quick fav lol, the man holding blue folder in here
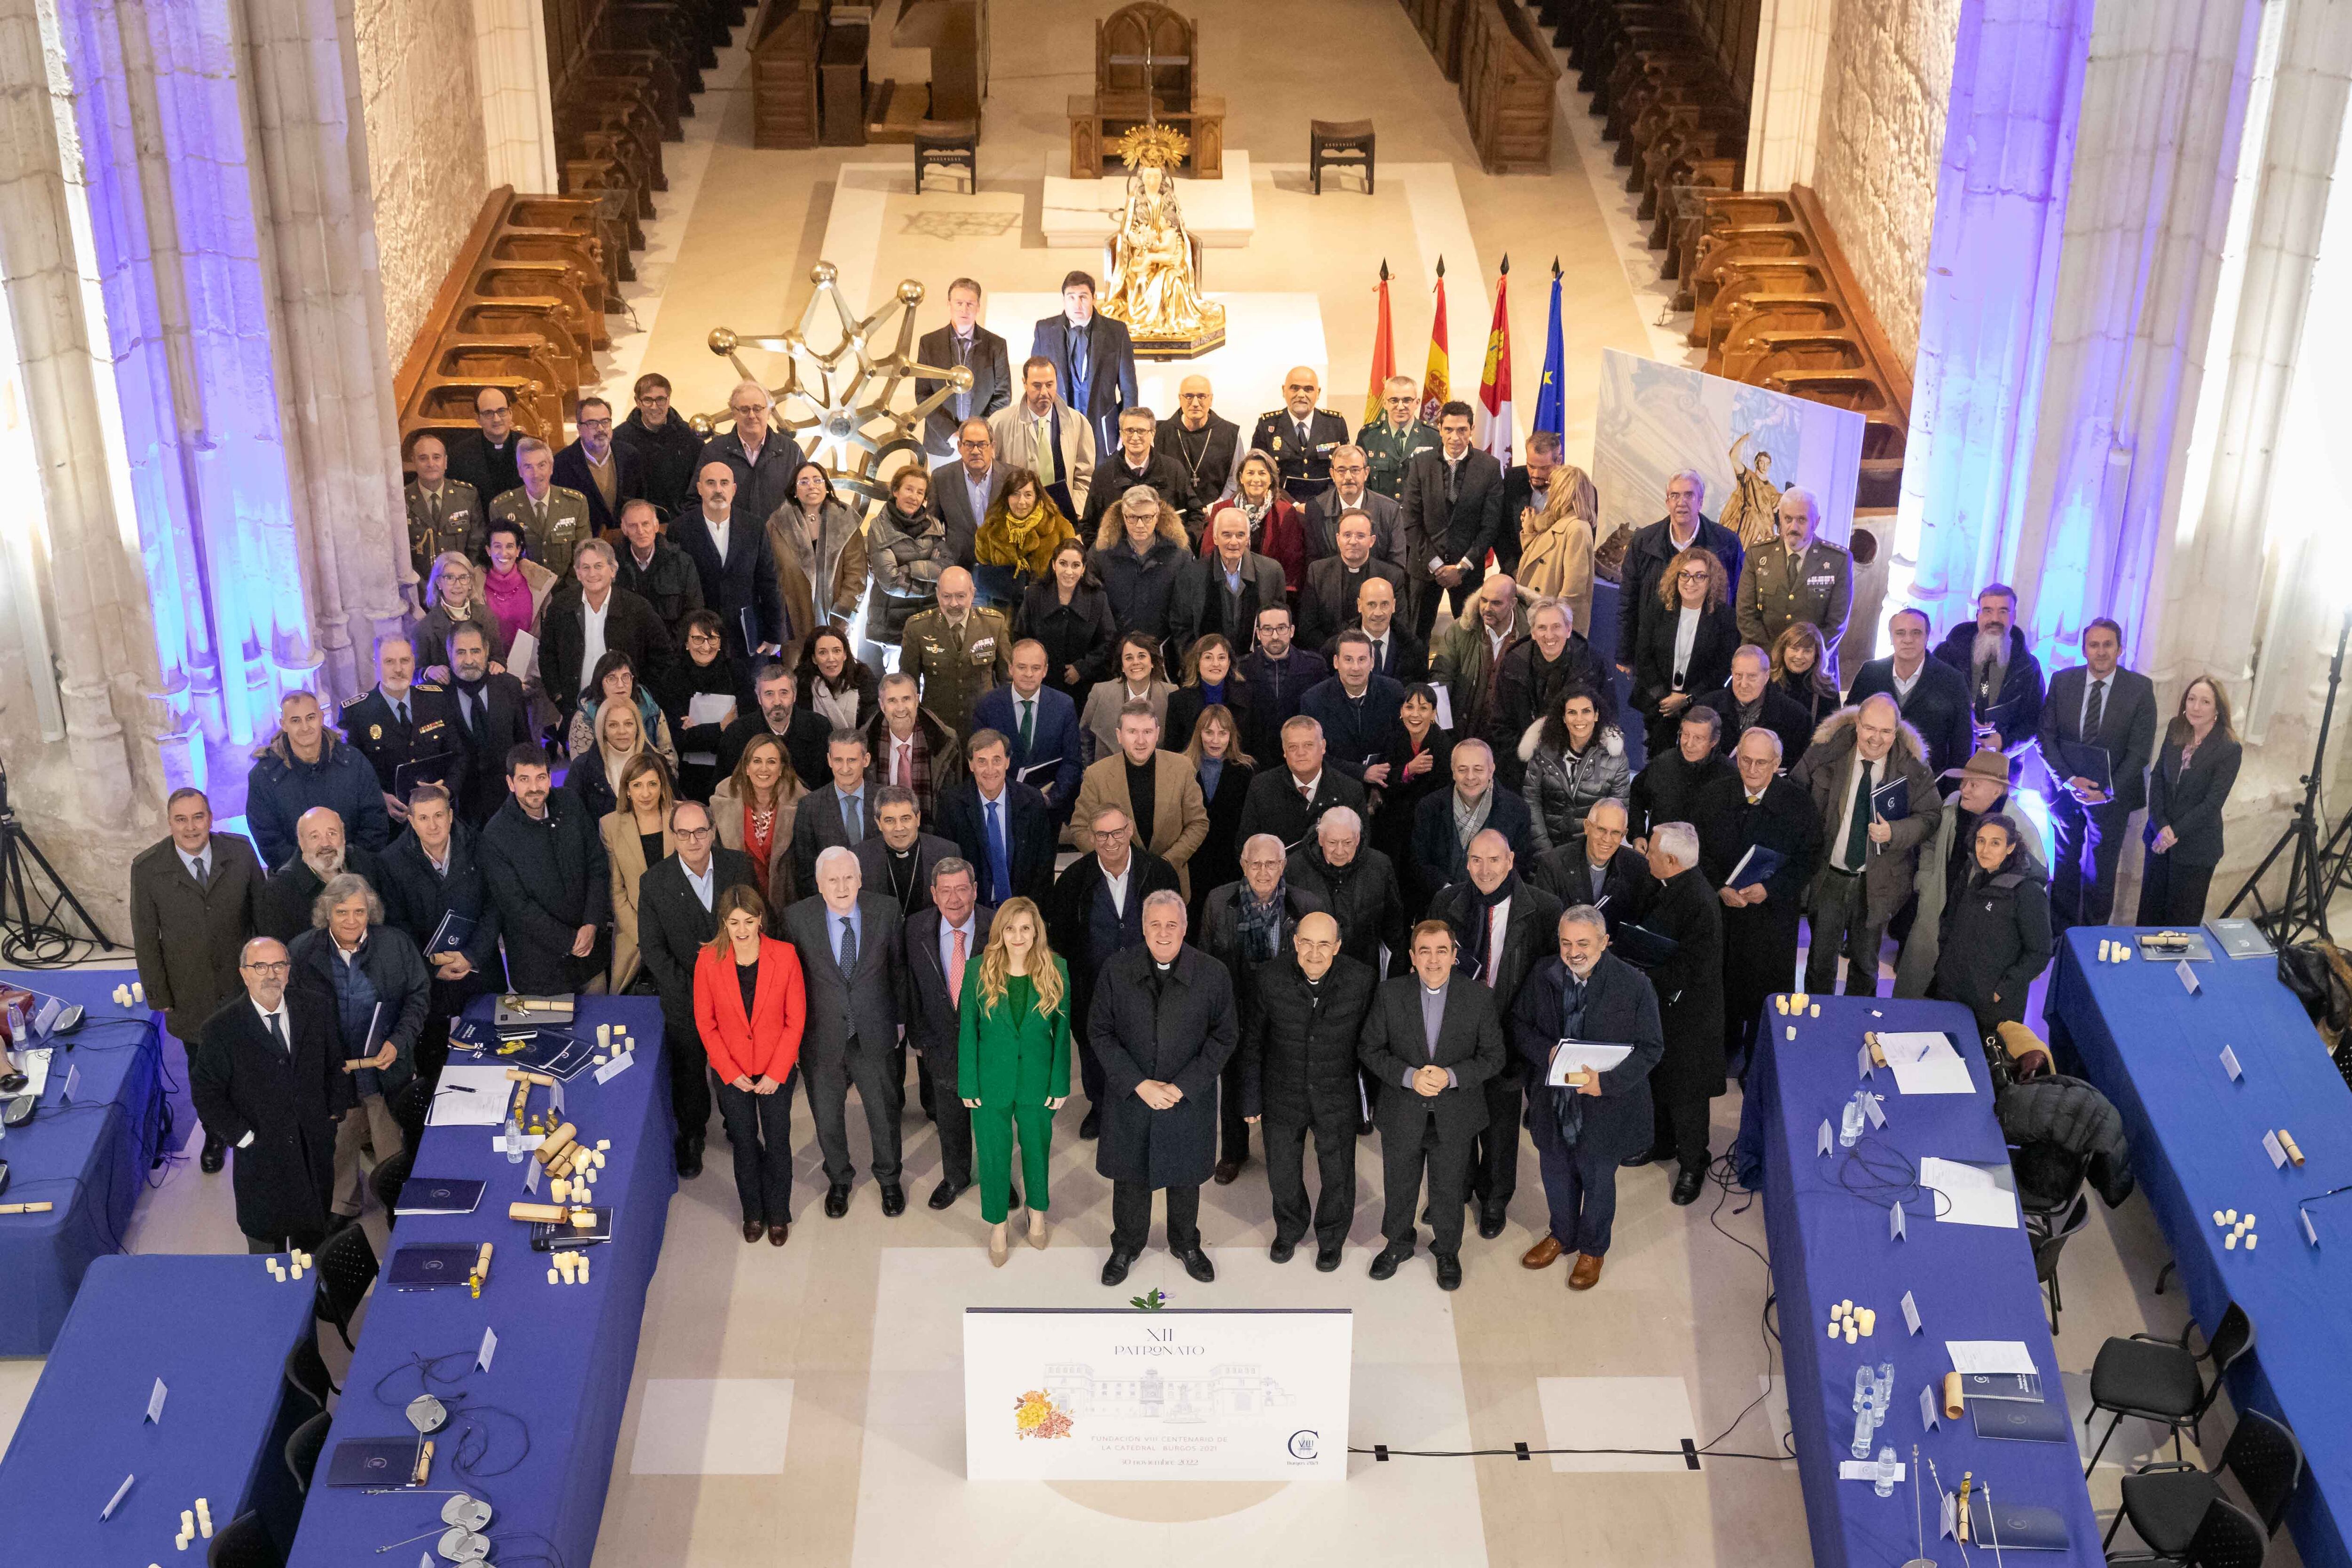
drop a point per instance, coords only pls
(1866, 772)
(2098, 733)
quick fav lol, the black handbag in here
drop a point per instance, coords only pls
(2315, 974)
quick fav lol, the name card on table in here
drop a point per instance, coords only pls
(1930, 1415)
(1822, 1144)
(1876, 1108)
(1910, 1312)
(116, 1500)
(1894, 1231)
(73, 1087)
(1862, 1064)
(2275, 1150)
(555, 1096)
(489, 1348)
(615, 1068)
(155, 1402)
(2187, 977)
(2309, 1234)
(2229, 1065)
(530, 1177)
(515, 1144)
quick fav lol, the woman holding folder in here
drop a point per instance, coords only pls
(749, 1004)
(1012, 1062)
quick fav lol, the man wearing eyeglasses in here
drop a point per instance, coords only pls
(268, 1079)
(761, 456)
(674, 921)
(599, 469)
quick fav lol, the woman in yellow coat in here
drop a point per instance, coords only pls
(1012, 1062)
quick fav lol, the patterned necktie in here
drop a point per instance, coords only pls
(902, 764)
(955, 969)
(2095, 711)
(848, 946)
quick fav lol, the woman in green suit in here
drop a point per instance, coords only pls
(1012, 1062)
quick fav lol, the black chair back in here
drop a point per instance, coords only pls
(2228, 1538)
(346, 1266)
(243, 1543)
(302, 1448)
(306, 1370)
(410, 1107)
(2268, 1462)
(2233, 1340)
(389, 1177)
(2046, 1249)
(2048, 1178)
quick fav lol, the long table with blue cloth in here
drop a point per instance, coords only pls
(534, 1435)
(1830, 1230)
(216, 1330)
(86, 1156)
(2135, 1031)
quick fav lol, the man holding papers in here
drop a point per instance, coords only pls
(435, 893)
(1866, 772)
(1689, 979)
(1043, 725)
(1586, 1026)
(2098, 733)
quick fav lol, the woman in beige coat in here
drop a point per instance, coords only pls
(637, 835)
(1556, 546)
(752, 810)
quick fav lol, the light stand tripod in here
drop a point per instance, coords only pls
(33, 939)
(2313, 869)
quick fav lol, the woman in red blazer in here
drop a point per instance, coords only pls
(747, 1007)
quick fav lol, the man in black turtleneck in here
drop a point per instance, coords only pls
(493, 719)
(897, 863)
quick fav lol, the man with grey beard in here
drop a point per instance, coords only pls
(2005, 686)
(320, 856)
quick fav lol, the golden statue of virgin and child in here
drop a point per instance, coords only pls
(1152, 276)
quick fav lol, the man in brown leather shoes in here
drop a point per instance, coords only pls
(1582, 1129)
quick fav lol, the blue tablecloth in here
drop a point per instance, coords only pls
(87, 1158)
(561, 1373)
(2197, 1146)
(215, 1329)
(1827, 1221)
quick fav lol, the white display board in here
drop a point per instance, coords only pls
(1113, 1394)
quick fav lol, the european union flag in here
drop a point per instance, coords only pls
(1549, 415)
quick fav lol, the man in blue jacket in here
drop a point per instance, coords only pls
(307, 764)
(1043, 725)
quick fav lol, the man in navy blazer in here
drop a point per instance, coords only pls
(577, 467)
(1016, 860)
(739, 583)
(1052, 732)
(933, 1012)
(1094, 359)
(1440, 854)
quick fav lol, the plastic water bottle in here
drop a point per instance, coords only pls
(513, 1143)
(1850, 1124)
(1886, 1468)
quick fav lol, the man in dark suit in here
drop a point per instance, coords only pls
(2003, 677)
(1206, 443)
(897, 861)
(2100, 718)
(854, 963)
(1300, 438)
(624, 624)
(430, 873)
(1653, 546)
(674, 899)
(486, 457)
(839, 812)
(1288, 801)
(544, 861)
(661, 443)
(1231, 587)
(1003, 829)
(1932, 694)
(1754, 698)
(804, 733)
(604, 472)
(1444, 822)
(1132, 461)
(1041, 724)
(1689, 983)
(1299, 1076)
(1757, 809)
(949, 931)
(761, 459)
(1163, 1023)
(1335, 583)
(281, 906)
(1503, 927)
(1431, 1042)
(654, 570)
(195, 898)
(1245, 924)
(1870, 843)
(267, 1076)
(964, 343)
(1623, 888)
(1280, 671)
(1396, 652)
(1094, 359)
(492, 717)
(729, 546)
(963, 490)
(1583, 1131)
(1358, 709)
(1667, 788)
(1352, 491)
(1527, 486)
(1357, 883)
(1095, 913)
(1453, 507)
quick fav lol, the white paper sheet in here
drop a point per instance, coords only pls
(470, 1097)
(1990, 1355)
(1926, 1063)
(1916, 1045)
(1969, 1194)
(522, 655)
(1569, 1055)
(710, 708)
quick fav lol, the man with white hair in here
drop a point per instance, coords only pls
(1163, 1023)
(268, 1079)
(1752, 698)
(1689, 983)
(853, 965)
(1796, 577)
(553, 517)
(1094, 914)
(1870, 838)
(1648, 554)
(1745, 822)
(760, 457)
(281, 906)
(1358, 884)
(1245, 925)
(589, 616)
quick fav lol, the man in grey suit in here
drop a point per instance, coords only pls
(1351, 490)
(963, 342)
(853, 963)
(963, 490)
(1453, 511)
(941, 940)
(2099, 718)
(841, 812)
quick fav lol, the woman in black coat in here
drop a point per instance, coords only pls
(1690, 589)
(1996, 935)
(1421, 763)
(704, 671)
(2186, 791)
(1210, 680)
(1215, 750)
(1072, 617)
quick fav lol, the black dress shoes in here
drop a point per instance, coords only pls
(1227, 1171)
(1282, 1251)
(1115, 1267)
(1385, 1266)
(214, 1155)
(1647, 1157)
(689, 1158)
(836, 1200)
(1326, 1259)
(1196, 1263)
(1490, 1222)
(1091, 1125)
(944, 1196)
(894, 1200)
(1449, 1271)
(1686, 1187)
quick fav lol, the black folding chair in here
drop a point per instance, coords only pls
(346, 1266)
(243, 1543)
(2157, 1379)
(302, 1448)
(306, 1371)
(2046, 1249)
(2167, 1502)
(388, 1178)
(2227, 1537)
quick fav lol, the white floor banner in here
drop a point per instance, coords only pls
(1094, 1393)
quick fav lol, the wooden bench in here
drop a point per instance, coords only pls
(783, 76)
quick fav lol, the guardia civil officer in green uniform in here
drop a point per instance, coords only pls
(1393, 440)
(554, 519)
(1301, 437)
(444, 514)
(1796, 577)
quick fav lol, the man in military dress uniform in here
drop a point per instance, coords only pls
(553, 520)
(403, 721)
(1796, 577)
(1394, 441)
(957, 652)
(1301, 437)
(443, 513)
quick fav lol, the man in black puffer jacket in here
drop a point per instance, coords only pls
(1299, 1073)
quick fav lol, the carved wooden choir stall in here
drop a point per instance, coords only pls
(1504, 63)
(1145, 59)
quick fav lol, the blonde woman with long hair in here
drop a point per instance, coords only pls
(1012, 1062)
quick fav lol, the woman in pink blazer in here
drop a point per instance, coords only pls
(747, 1007)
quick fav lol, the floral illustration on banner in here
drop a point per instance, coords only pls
(1034, 1415)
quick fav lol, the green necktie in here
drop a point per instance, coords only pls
(1042, 458)
(1028, 724)
(1857, 838)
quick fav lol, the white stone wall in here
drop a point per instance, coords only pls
(1881, 140)
(423, 111)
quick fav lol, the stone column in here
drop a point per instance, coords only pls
(1784, 104)
(518, 115)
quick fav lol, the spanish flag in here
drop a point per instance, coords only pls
(1434, 382)
(1383, 354)
(1495, 379)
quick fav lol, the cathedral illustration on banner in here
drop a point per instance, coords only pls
(1232, 1388)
